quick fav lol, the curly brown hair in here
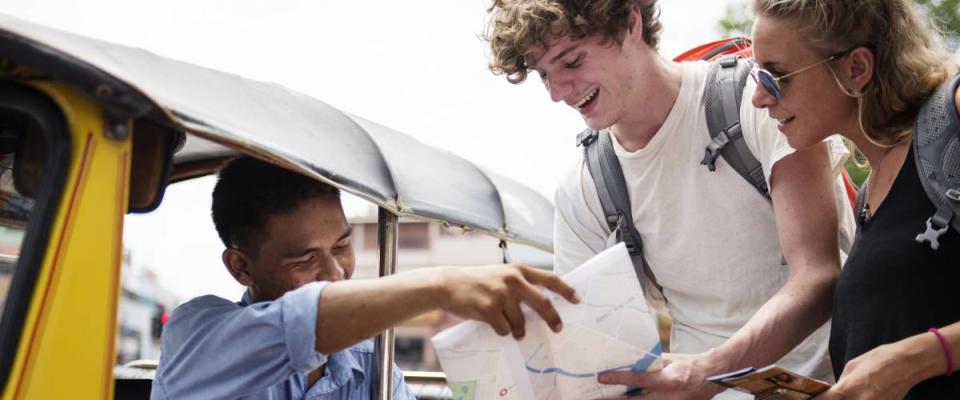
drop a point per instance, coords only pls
(519, 28)
(909, 62)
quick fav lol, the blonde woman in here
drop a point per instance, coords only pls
(863, 68)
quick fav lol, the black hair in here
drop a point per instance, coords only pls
(248, 191)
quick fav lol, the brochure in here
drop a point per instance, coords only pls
(772, 383)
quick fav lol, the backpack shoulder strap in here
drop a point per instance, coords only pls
(936, 148)
(725, 83)
(604, 167)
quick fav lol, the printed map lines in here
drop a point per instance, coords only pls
(640, 366)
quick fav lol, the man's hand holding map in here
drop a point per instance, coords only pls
(611, 329)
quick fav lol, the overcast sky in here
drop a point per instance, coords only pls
(418, 67)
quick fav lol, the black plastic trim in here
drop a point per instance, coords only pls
(48, 115)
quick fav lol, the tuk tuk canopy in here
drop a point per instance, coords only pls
(224, 114)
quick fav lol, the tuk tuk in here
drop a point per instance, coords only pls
(91, 131)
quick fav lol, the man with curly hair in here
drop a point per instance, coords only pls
(301, 329)
(714, 245)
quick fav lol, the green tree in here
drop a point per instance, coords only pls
(945, 14)
(737, 20)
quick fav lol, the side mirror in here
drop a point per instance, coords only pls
(153, 148)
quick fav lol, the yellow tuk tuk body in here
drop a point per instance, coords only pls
(70, 324)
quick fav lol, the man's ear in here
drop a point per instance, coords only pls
(238, 265)
(636, 25)
(859, 69)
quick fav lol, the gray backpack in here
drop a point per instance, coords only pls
(726, 80)
(936, 148)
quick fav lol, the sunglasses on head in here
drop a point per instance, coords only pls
(771, 83)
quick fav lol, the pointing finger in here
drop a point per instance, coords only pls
(551, 281)
(629, 378)
(513, 314)
(499, 324)
(542, 305)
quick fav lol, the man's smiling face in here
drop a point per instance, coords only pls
(312, 242)
(602, 79)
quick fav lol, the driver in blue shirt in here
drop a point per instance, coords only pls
(302, 327)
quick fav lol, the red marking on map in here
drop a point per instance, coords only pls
(503, 392)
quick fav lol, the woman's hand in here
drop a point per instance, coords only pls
(891, 370)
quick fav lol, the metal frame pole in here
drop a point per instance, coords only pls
(387, 228)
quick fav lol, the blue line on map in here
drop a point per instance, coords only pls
(639, 366)
(648, 359)
(559, 371)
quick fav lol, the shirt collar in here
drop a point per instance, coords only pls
(247, 298)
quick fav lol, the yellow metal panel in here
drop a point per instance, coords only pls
(67, 348)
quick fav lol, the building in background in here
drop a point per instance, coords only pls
(144, 308)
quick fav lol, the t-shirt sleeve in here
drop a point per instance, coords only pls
(213, 348)
(578, 233)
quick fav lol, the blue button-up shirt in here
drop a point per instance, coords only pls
(213, 348)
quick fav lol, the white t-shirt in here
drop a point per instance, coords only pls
(709, 237)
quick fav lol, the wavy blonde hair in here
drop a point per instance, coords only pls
(909, 62)
(518, 28)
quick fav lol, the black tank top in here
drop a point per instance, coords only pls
(892, 287)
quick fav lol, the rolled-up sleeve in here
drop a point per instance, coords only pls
(214, 348)
(299, 318)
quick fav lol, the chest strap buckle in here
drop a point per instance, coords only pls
(933, 233)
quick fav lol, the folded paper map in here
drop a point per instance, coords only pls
(612, 329)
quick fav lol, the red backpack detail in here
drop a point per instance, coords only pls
(738, 45)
